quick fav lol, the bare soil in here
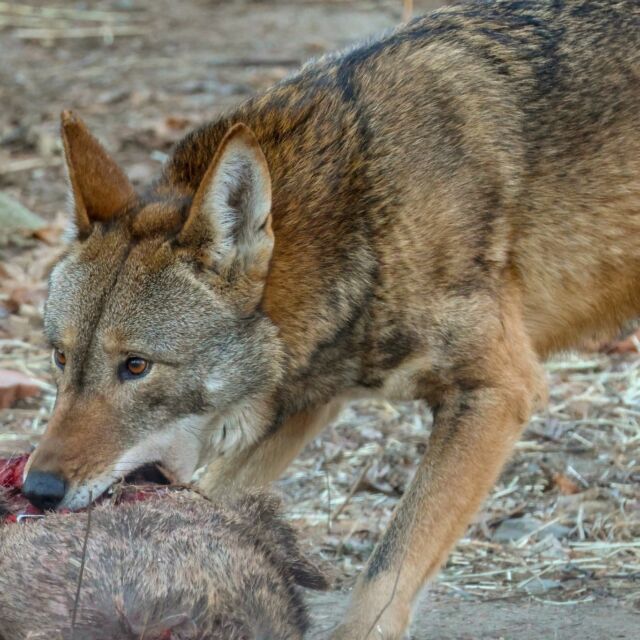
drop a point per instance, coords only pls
(555, 553)
(444, 618)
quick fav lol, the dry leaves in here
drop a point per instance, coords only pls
(565, 485)
(15, 386)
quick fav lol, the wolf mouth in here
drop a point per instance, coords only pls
(150, 473)
(147, 480)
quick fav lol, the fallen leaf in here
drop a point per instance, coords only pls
(15, 386)
(177, 122)
(14, 215)
(49, 235)
(26, 295)
(565, 485)
(630, 344)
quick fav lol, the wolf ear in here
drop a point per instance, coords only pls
(231, 212)
(99, 188)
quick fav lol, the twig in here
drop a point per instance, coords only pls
(407, 10)
(328, 481)
(28, 164)
(16, 22)
(405, 553)
(63, 12)
(354, 488)
(82, 565)
(108, 32)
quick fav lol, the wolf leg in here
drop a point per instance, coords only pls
(266, 460)
(480, 410)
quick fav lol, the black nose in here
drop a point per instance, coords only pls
(44, 490)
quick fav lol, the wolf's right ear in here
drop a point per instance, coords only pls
(230, 216)
(99, 188)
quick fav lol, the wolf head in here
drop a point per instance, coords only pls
(159, 345)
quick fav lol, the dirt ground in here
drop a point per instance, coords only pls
(554, 554)
(444, 618)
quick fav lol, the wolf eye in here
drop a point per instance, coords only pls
(59, 358)
(134, 367)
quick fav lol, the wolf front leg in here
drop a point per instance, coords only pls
(477, 421)
(266, 460)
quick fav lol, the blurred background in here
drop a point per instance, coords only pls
(141, 72)
(562, 527)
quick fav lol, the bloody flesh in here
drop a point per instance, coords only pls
(12, 471)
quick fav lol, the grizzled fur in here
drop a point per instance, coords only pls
(4, 503)
(174, 568)
(449, 205)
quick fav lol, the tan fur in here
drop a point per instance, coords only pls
(450, 205)
(75, 420)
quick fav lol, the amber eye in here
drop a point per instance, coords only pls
(134, 367)
(59, 358)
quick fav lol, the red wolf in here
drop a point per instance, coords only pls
(427, 216)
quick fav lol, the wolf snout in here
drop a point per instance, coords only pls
(44, 489)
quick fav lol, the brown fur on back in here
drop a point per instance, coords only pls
(530, 167)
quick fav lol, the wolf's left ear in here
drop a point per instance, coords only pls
(230, 216)
(100, 189)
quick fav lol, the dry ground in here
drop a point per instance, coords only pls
(555, 553)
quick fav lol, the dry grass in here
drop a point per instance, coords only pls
(563, 523)
(51, 23)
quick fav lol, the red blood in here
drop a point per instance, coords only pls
(139, 495)
(11, 472)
